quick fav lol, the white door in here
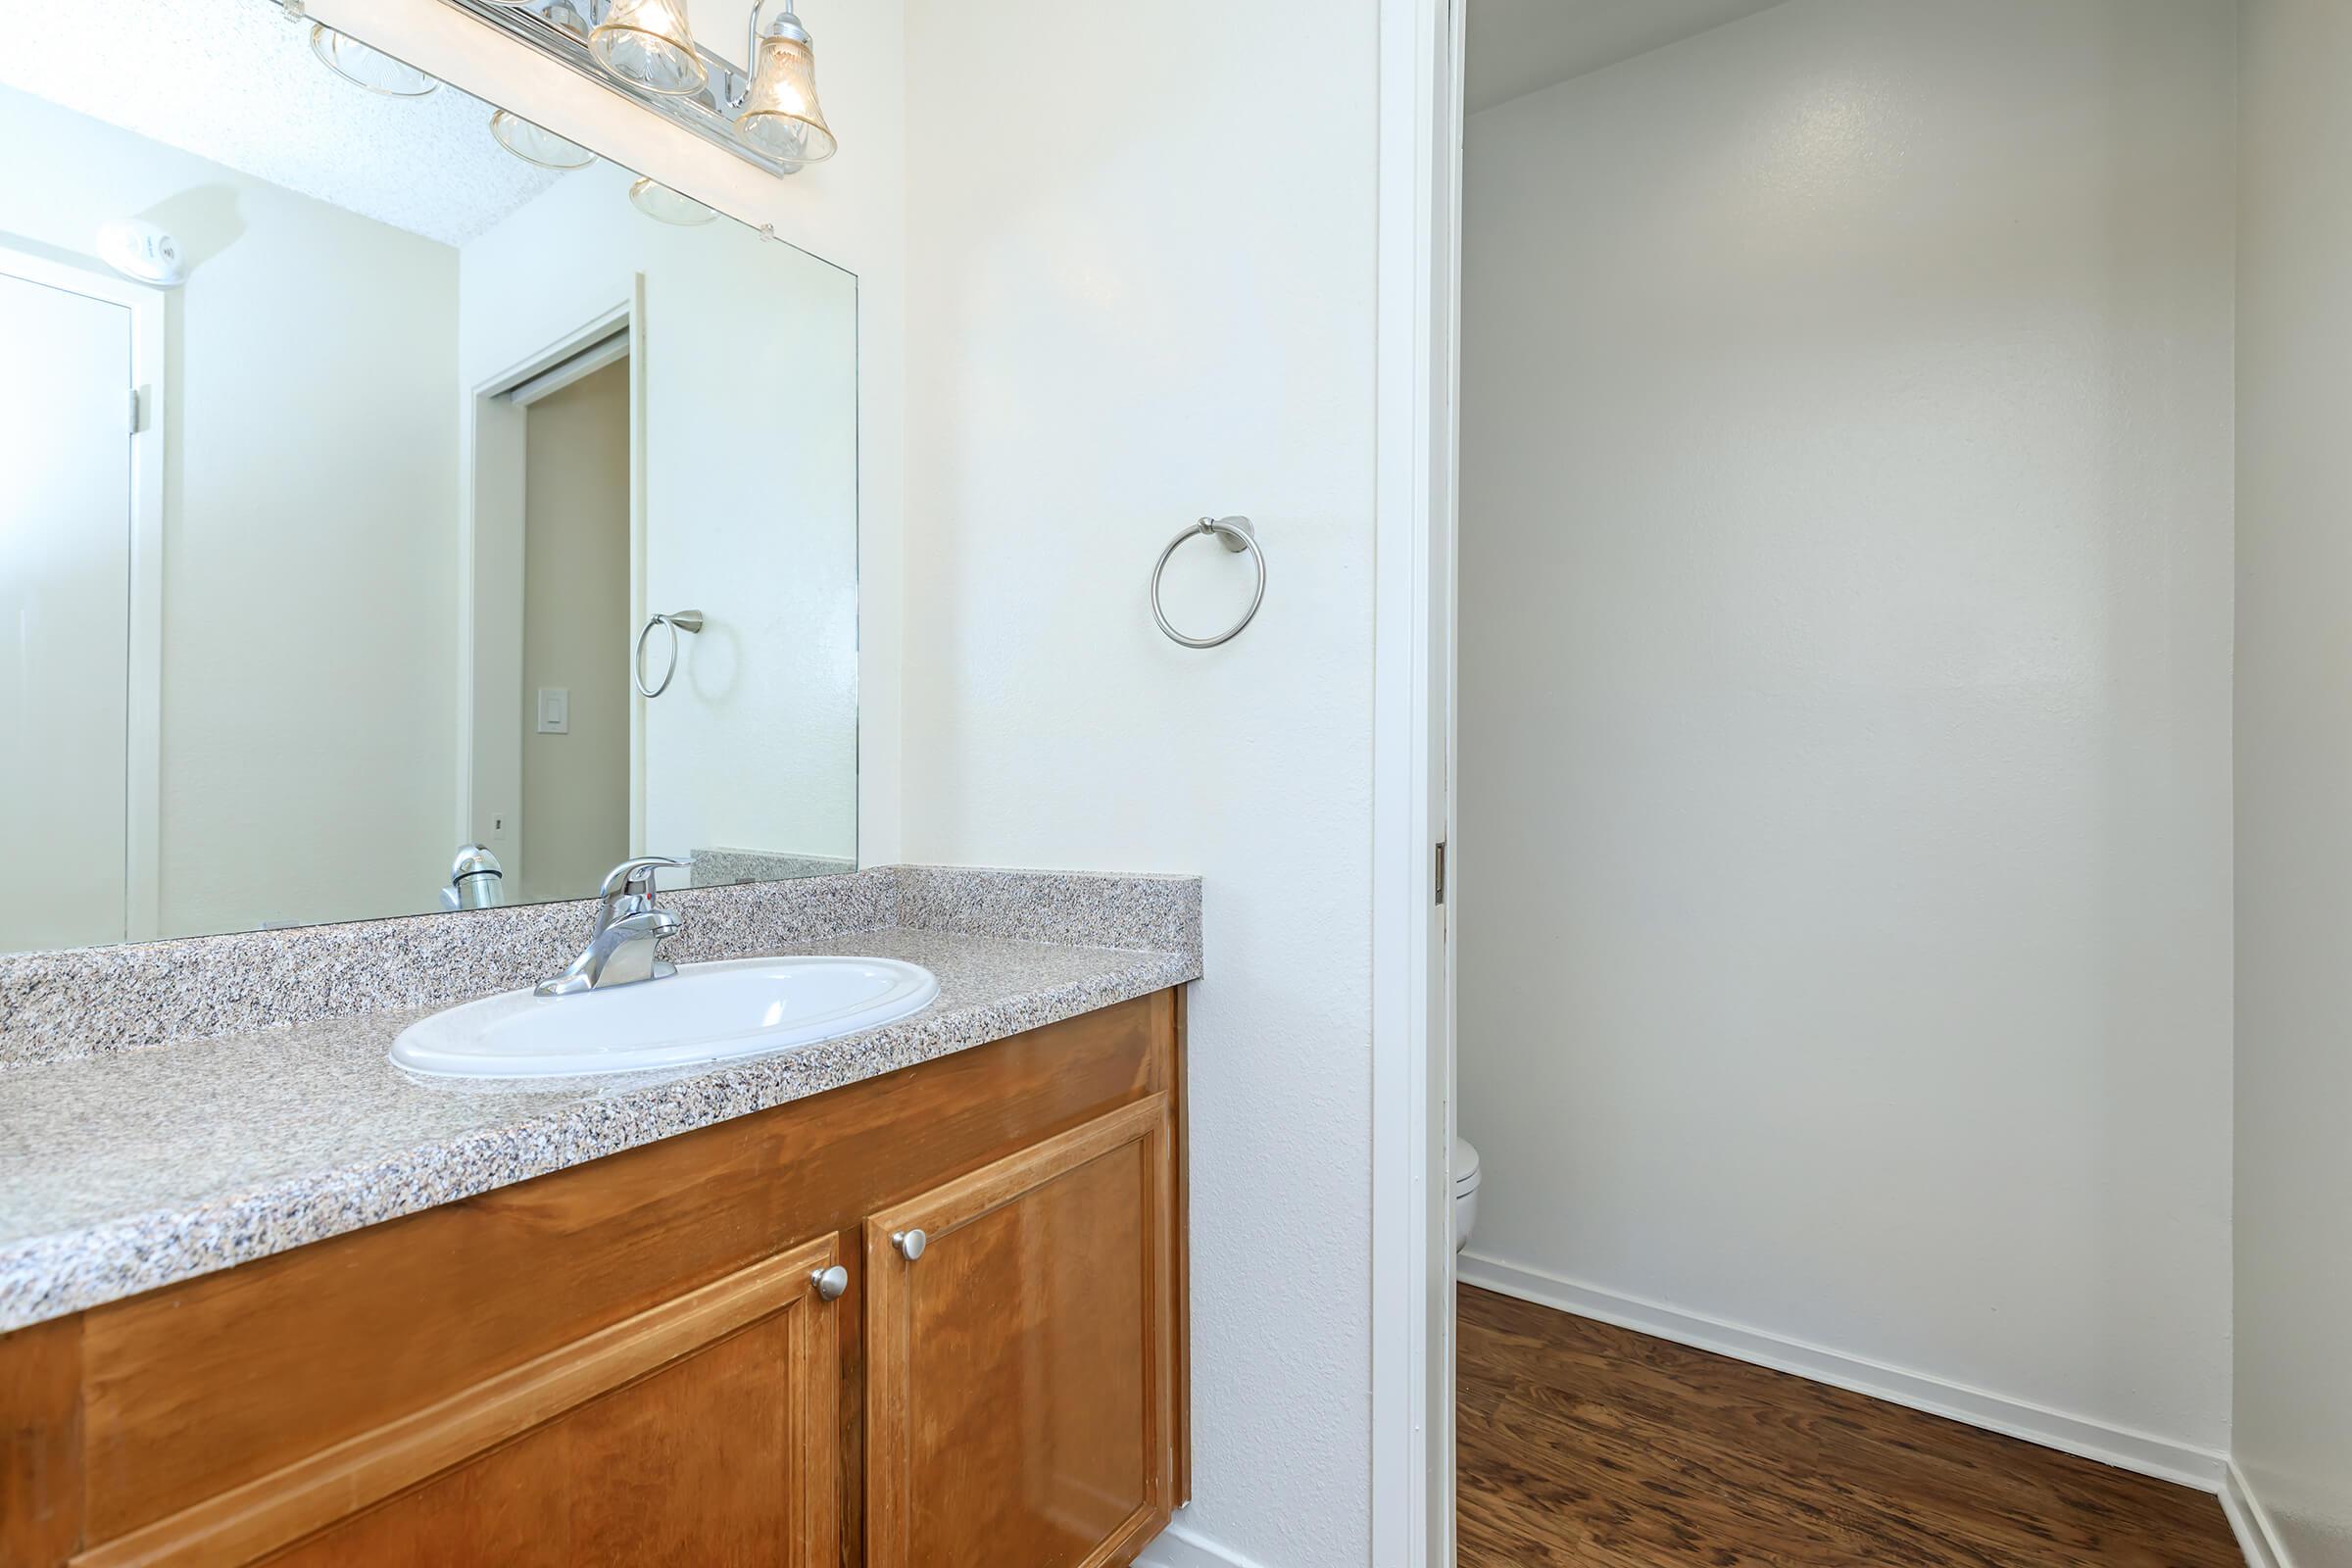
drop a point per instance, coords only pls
(65, 610)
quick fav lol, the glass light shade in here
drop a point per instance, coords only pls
(657, 200)
(367, 68)
(781, 116)
(533, 145)
(648, 44)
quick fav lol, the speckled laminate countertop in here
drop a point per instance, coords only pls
(123, 1173)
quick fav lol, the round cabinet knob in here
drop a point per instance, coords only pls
(910, 1243)
(831, 1282)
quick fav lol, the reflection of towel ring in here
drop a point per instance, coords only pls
(677, 620)
(1236, 535)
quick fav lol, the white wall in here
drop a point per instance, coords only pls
(2293, 1429)
(1845, 784)
(1140, 287)
(748, 362)
(309, 501)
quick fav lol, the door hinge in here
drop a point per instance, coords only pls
(134, 411)
(1440, 871)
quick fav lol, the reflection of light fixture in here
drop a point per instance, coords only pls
(780, 114)
(534, 145)
(648, 44)
(657, 200)
(367, 68)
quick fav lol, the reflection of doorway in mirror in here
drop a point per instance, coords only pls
(65, 555)
(575, 701)
(500, 708)
(80, 529)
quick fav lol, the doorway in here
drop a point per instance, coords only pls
(1822, 635)
(553, 558)
(574, 696)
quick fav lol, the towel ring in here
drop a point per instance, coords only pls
(1236, 535)
(677, 620)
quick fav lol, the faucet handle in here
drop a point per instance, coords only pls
(658, 924)
(635, 878)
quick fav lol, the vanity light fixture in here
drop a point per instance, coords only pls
(648, 44)
(763, 111)
(778, 111)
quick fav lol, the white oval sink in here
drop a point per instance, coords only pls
(704, 1013)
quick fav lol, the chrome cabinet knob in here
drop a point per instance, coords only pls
(831, 1282)
(910, 1243)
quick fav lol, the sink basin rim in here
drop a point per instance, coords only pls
(629, 1029)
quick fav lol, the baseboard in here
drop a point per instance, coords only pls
(2256, 1536)
(2126, 1449)
(1180, 1548)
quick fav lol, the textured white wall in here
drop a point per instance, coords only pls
(1141, 290)
(1845, 816)
(309, 517)
(2293, 1428)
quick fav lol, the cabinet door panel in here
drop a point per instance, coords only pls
(705, 1429)
(692, 1464)
(1019, 1371)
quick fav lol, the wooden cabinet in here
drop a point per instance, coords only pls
(632, 1361)
(1019, 1357)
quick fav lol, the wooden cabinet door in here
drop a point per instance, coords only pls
(704, 1430)
(1020, 1364)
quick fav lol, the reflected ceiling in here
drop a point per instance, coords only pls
(235, 82)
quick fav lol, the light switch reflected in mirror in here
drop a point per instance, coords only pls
(435, 420)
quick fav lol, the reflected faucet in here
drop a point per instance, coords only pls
(475, 880)
(626, 931)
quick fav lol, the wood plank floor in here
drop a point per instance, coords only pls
(1587, 1444)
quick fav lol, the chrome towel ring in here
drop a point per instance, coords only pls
(677, 620)
(1236, 535)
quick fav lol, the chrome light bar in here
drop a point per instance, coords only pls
(558, 30)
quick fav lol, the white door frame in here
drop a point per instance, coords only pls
(490, 530)
(1412, 1001)
(143, 722)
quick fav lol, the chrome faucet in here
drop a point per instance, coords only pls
(627, 929)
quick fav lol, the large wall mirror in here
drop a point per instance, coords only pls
(366, 464)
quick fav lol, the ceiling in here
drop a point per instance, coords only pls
(235, 82)
(1518, 47)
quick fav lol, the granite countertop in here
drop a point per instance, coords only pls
(123, 1173)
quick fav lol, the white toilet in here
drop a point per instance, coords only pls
(1465, 1193)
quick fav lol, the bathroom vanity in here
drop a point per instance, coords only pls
(916, 1297)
